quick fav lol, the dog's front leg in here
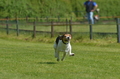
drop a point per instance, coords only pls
(71, 54)
(63, 56)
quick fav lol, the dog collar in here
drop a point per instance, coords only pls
(64, 42)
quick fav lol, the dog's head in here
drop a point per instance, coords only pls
(66, 38)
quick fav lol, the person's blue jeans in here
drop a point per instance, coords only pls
(90, 17)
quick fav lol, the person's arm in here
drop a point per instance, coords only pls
(95, 7)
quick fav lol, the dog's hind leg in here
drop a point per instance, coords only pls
(63, 56)
(57, 56)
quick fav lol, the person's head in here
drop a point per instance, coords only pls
(89, 0)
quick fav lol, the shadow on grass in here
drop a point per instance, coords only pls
(47, 62)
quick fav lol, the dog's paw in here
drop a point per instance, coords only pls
(72, 54)
(57, 59)
(62, 59)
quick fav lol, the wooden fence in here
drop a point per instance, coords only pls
(52, 24)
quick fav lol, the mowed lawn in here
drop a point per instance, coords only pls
(28, 60)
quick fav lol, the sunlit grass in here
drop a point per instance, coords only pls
(35, 60)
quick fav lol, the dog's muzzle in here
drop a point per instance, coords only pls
(67, 39)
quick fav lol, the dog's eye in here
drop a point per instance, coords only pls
(64, 36)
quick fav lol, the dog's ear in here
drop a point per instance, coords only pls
(70, 35)
(60, 37)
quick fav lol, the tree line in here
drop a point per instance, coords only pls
(54, 8)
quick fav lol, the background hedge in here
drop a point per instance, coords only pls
(54, 8)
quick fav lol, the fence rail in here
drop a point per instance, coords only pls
(68, 23)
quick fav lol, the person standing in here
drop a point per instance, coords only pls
(90, 8)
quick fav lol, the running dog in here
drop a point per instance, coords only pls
(62, 44)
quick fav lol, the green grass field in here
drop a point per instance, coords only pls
(35, 60)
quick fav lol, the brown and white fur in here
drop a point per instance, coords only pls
(62, 44)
